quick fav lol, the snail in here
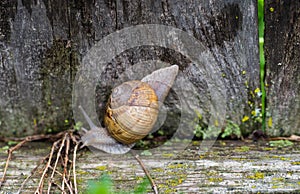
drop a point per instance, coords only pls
(131, 112)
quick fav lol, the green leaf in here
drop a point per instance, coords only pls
(142, 187)
(104, 185)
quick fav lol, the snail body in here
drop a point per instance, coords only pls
(131, 112)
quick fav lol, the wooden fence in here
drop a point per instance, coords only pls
(43, 42)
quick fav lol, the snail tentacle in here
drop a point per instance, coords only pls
(87, 118)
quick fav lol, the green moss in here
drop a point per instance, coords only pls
(58, 73)
(281, 143)
(242, 149)
(81, 172)
(146, 153)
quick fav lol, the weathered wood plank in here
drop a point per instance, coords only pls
(227, 167)
(42, 43)
(282, 44)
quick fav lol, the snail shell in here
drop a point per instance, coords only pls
(131, 111)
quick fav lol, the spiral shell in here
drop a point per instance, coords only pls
(131, 111)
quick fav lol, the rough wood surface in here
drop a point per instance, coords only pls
(227, 167)
(43, 42)
(282, 44)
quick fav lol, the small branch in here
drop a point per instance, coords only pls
(56, 161)
(35, 137)
(40, 186)
(291, 138)
(68, 185)
(20, 144)
(154, 186)
(74, 168)
(10, 151)
(66, 159)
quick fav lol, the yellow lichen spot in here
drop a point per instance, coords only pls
(245, 118)
(161, 186)
(257, 90)
(267, 149)
(277, 179)
(295, 163)
(195, 143)
(244, 72)
(223, 143)
(257, 175)
(216, 123)
(270, 122)
(101, 167)
(168, 155)
(139, 178)
(199, 115)
(271, 9)
(266, 84)
(236, 17)
(252, 94)
(174, 166)
(284, 159)
(158, 170)
(247, 84)
(81, 172)
(215, 179)
(242, 149)
(223, 75)
(34, 122)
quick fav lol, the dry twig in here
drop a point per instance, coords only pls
(154, 186)
(61, 153)
(40, 186)
(74, 168)
(65, 163)
(291, 138)
(56, 161)
(19, 145)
